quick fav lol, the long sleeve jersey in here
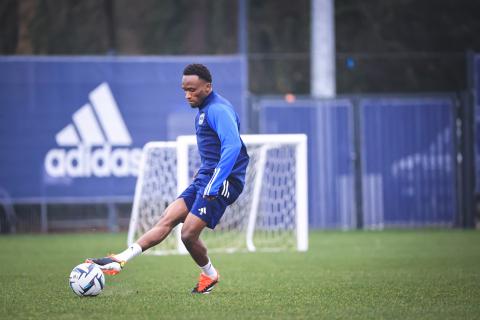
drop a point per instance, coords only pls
(223, 154)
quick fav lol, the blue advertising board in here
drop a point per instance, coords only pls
(73, 127)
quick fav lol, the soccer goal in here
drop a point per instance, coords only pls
(271, 214)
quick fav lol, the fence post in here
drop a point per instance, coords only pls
(112, 217)
(44, 217)
(466, 151)
(357, 162)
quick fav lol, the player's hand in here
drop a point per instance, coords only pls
(210, 198)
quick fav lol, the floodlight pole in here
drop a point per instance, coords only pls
(322, 70)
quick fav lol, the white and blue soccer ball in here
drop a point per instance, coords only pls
(87, 279)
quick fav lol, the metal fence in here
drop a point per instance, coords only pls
(378, 161)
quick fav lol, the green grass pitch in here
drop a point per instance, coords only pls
(418, 274)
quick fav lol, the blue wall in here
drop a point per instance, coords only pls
(407, 148)
(330, 167)
(408, 161)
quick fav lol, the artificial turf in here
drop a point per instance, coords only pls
(419, 274)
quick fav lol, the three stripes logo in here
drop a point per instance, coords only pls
(202, 211)
(225, 191)
(87, 143)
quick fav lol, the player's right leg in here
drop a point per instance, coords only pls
(174, 214)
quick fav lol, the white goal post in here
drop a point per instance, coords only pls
(271, 214)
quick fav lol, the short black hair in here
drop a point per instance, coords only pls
(197, 69)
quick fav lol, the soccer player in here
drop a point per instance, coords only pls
(217, 184)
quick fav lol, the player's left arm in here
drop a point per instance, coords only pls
(223, 121)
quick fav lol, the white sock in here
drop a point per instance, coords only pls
(209, 270)
(130, 253)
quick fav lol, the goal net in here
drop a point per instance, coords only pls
(271, 213)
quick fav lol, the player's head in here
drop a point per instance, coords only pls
(196, 83)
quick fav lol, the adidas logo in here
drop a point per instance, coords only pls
(203, 210)
(87, 143)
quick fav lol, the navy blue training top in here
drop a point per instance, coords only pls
(223, 154)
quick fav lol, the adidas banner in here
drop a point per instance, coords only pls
(73, 128)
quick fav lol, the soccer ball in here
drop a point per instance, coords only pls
(87, 279)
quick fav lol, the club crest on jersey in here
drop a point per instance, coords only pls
(201, 118)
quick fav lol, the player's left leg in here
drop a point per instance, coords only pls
(191, 230)
(192, 227)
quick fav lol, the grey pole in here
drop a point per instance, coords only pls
(323, 49)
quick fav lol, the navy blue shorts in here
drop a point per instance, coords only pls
(210, 211)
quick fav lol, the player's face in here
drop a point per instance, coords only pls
(196, 89)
